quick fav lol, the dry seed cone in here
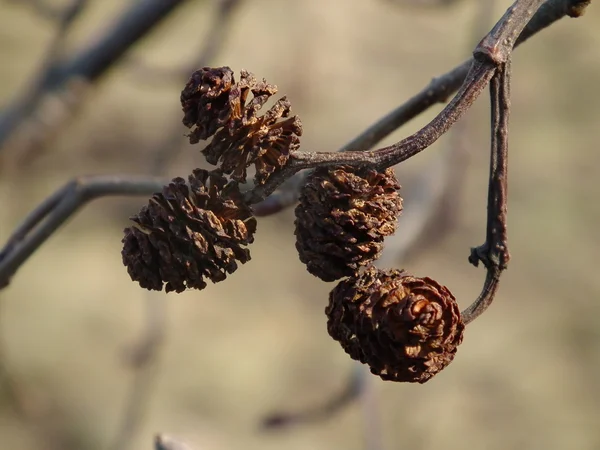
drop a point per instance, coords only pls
(188, 233)
(215, 104)
(342, 218)
(405, 328)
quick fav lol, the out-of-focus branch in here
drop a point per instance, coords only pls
(89, 64)
(437, 91)
(351, 390)
(60, 206)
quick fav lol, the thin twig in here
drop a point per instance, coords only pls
(437, 91)
(494, 252)
(61, 205)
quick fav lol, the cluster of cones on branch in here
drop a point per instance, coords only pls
(405, 328)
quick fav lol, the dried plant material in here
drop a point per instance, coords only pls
(215, 105)
(342, 218)
(189, 232)
(205, 102)
(405, 328)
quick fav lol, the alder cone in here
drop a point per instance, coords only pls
(214, 104)
(205, 102)
(188, 233)
(343, 216)
(405, 328)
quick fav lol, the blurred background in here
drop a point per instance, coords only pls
(91, 361)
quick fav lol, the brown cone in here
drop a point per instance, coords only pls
(342, 218)
(205, 102)
(213, 103)
(405, 328)
(189, 232)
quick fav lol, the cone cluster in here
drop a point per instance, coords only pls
(403, 327)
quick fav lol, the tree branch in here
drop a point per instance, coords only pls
(437, 91)
(61, 205)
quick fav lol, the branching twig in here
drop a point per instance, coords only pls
(437, 91)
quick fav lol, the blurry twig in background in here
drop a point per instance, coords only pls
(437, 91)
(43, 221)
(352, 389)
(33, 93)
(36, 105)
